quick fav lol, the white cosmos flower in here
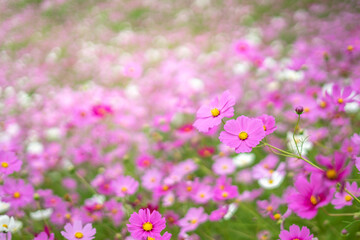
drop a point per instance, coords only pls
(41, 214)
(244, 159)
(16, 226)
(4, 206)
(6, 223)
(273, 181)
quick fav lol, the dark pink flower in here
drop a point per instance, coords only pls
(209, 116)
(295, 233)
(146, 224)
(243, 133)
(309, 196)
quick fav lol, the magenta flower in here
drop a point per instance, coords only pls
(44, 236)
(336, 169)
(193, 218)
(309, 196)
(9, 163)
(146, 224)
(77, 231)
(209, 116)
(341, 96)
(124, 185)
(295, 233)
(243, 133)
(17, 193)
(268, 123)
(343, 199)
(218, 214)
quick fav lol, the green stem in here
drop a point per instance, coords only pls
(85, 182)
(296, 126)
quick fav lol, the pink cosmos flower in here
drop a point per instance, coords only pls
(9, 163)
(224, 190)
(340, 96)
(269, 123)
(243, 133)
(309, 196)
(77, 231)
(296, 233)
(146, 224)
(144, 161)
(336, 168)
(124, 185)
(193, 218)
(102, 110)
(209, 116)
(114, 210)
(44, 236)
(17, 193)
(224, 166)
(343, 199)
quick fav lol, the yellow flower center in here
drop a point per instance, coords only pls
(225, 194)
(147, 226)
(224, 167)
(215, 112)
(165, 187)
(189, 188)
(243, 135)
(270, 181)
(306, 109)
(150, 238)
(269, 208)
(114, 211)
(277, 216)
(350, 48)
(264, 128)
(348, 198)
(350, 149)
(68, 216)
(4, 164)
(340, 100)
(322, 104)
(5, 225)
(16, 195)
(202, 195)
(331, 174)
(313, 200)
(124, 189)
(79, 235)
(193, 221)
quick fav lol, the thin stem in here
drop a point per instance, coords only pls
(338, 214)
(85, 183)
(296, 126)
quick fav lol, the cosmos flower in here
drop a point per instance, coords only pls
(343, 198)
(308, 197)
(146, 224)
(9, 163)
(209, 116)
(193, 218)
(243, 133)
(296, 233)
(77, 231)
(125, 185)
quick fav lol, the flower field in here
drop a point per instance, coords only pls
(189, 120)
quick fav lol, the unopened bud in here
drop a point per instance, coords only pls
(299, 110)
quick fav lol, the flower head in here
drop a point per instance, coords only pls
(295, 233)
(9, 163)
(78, 232)
(125, 185)
(309, 196)
(243, 133)
(209, 116)
(146, 224)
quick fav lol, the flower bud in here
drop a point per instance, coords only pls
(299, 110)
